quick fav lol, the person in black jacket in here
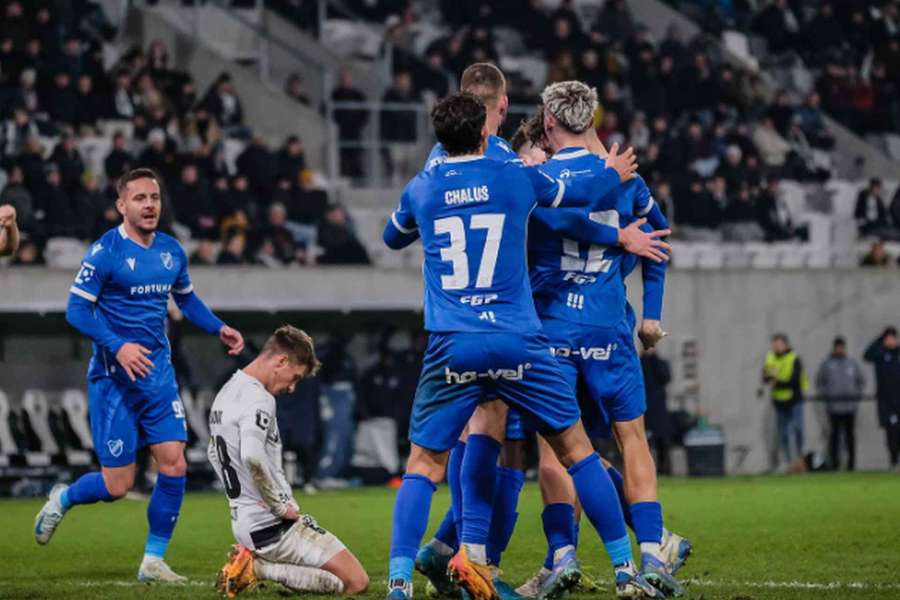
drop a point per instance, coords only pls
(884, 353)
(657, 375)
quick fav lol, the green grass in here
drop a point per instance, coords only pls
(751, 535)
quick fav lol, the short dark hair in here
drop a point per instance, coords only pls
(780, 336)
(296, 344)
(458, 121)
(839, 341)
(890, 331)
(134, 175)
(485, 80)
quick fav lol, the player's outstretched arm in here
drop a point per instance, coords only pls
(9, 230)
(576, 225)
(653, 275)
(198, 313)
(401, 229)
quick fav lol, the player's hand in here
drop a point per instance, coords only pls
(643, 243)
(232, 339)
(650, 333)
(625, 164)
(133, 358)
(7, 215)
(291, 513)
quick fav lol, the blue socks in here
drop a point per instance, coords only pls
(619, 482)
(559, 526)
(648, 522)
(446, 531)
(504, 516)
(411, 507)
(88, 489)
(479, 474)
(454, 481)
(600, 503)
(162, 513)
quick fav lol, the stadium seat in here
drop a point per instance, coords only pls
(64, 253)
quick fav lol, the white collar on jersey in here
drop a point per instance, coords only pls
(567, 153)
(463, 158)
(125, 236)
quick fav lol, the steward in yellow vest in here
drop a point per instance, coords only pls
(784, 373)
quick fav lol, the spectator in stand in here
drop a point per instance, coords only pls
(69, 161)
(17, 131)
(233, 249)
(742, 215)
(64, 217)
(291, 159)
(61, 101)
(775, 217)
(731, 168)
(310, 202)
(121, 102)
(193, 205)
(350, 122)
(9, 231)
(783, 373)
(778, 25)
(258, 164)
(884, 354)
(812, 122)
(277, 247)
(156, 156)
(772, 148)
(27, 95)
(399, 128)
(205, 254)
(338, 240)
(876, 256)
(697, 213)
(119, 160)
(895, 210)
(293, 87)
(223, 104)
(870, 214)
(101, 213)
(90, 108)
(840, 383)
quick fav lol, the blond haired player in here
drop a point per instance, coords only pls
(275, 541)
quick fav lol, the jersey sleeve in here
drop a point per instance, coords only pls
(182, 283)
(92, 274)
(435, 157)
(401, 229)
(646, 207)
(653, 276)
(548, 191)
(576, 225)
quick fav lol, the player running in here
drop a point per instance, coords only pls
(119, 300)
(487, 82)
(275, 541)
(579, 294)
(485, 339)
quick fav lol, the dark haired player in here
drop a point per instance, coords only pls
(119, 300)
(485, 338)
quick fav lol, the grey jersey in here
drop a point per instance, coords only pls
(242, 418)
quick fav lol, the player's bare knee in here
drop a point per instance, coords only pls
(118, 484)
(177, 467)
(489, 419)
(427, 463)
(357, 583)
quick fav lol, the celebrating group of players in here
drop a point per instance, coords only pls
(530, 334)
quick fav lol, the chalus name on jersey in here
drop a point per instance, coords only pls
(467, 195)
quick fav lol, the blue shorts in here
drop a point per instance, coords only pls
(460, 370)
(602, 365)
(127, 416)
(515, 427)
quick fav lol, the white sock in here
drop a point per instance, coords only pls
(299, 579)
(440, 547)
(477, 553)
(652, 548)
(560, 552)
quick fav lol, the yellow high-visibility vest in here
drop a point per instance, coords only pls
(782, 367)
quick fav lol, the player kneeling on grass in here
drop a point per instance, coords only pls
(275, 541)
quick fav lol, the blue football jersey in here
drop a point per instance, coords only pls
(497, 148)
(472, 214)
(579, 282)
(129, 286)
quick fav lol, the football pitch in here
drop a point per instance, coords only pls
(813, 536)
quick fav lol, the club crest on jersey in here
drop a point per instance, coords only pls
(115, 447)
(167, 259)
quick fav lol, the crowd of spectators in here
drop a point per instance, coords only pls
(56, 99)
(852, 48)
